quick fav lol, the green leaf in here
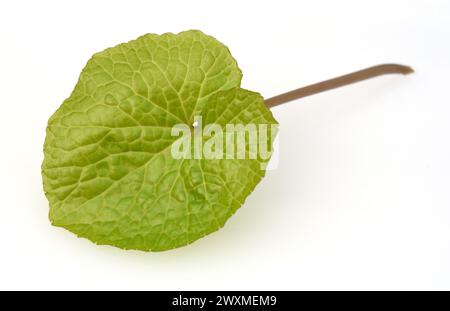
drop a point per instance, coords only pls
(108, 171)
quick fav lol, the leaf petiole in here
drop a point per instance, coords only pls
(347, 79)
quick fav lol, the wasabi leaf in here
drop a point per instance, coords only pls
(108, 171)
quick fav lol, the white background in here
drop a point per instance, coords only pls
(360, 199)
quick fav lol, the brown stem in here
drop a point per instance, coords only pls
(350, 78)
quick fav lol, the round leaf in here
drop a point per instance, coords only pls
(108, 171)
